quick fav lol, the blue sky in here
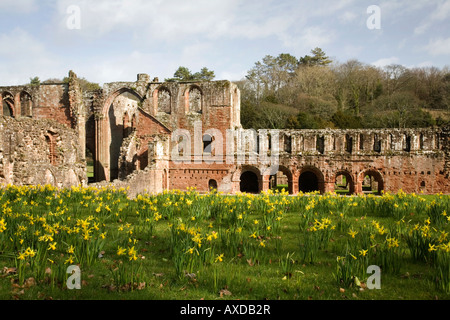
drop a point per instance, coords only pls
(117, 39)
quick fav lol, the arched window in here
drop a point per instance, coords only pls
(164, 101)
(8, 104)
(25, 104)
(50, 138)
(207, 144)
(195, 100)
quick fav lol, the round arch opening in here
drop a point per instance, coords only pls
(249, 183)
(372, 182)
(310, 181)
(282, 180)
(344, 183)
(212, 185)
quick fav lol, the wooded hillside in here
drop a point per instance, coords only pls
(315, 92)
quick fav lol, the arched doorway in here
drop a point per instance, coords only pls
(371, 182)
(311, 180)
(110, 132)
(8, 104)
(249, 182)
(25, 104)
(344, 183)
(282, 180)
(212, 185)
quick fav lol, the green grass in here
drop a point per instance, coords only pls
(248, 271)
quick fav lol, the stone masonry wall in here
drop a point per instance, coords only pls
(39, 152)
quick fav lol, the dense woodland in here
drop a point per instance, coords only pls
(314, 92)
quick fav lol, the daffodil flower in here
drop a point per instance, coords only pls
(363, 252)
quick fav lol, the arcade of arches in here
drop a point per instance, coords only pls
(310, 180)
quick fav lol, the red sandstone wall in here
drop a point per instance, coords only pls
(53, 103)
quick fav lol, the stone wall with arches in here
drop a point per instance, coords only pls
(359, 161)
(132, 132)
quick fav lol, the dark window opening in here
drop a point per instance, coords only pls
(320, 144)
(377, 144)
(212, 185)
(348, 143)
(288, 144)
(407, 147)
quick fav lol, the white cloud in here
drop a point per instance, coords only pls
(25, 57)
(313, 37)
(438, 46)
(16, 6)
(170, 20)
(386, 62)
(440, 13)
(348, 17)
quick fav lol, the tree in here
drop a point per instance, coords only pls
(272, 75)
(35, 81)
(345, 120)
(204, 75)
(318, 58)
(184, 74)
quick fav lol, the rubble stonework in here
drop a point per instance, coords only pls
(133, 130)
(39, 152)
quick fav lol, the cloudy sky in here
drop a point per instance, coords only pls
(114, 40)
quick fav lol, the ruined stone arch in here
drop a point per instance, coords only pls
(8, 104)
(110, 132)
(250, 179)
(349, 180)
(194, 99)
(287, 173)
(376, 181)
(51, 140)
(163, 100)
(26, 104)
(311, 179)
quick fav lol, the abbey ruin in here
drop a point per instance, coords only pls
(133, 134)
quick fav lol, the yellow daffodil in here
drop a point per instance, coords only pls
(363, 252)
(52, 246)
(353, 233)
(121, 251)
(219, 258)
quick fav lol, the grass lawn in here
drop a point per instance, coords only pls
(186, 246)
